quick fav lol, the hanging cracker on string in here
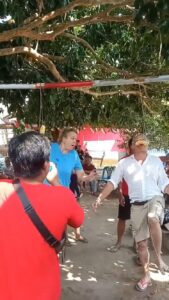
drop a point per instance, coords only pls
(42, 129)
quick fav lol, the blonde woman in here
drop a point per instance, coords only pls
(66, 159)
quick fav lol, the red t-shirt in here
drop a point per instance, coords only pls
(29, 267)
(124, 186)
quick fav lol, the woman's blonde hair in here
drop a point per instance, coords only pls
(65, 132)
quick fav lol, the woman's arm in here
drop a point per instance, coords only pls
(84, 177)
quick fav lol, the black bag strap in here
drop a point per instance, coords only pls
(46, 234)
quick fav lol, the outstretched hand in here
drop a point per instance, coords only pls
(96, 204)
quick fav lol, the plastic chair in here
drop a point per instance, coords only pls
(106, 174)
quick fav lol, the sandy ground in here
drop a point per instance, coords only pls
(92, 272)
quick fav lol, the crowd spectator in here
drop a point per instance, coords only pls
(29, 267)
(79, 150)
(89, 167)
(8, 169)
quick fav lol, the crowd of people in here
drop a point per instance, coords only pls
(47, 172)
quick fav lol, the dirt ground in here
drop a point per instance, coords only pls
(92, 272)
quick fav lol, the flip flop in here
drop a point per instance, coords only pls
(114, 248)
(163, 269)
(82, 240)
(143, 284)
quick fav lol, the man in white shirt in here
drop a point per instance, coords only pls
(147, 181)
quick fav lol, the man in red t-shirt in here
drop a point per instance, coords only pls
(124, 208)
(29, 267)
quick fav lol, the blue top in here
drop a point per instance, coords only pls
(65, 163)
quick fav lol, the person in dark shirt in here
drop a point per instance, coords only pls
(88, 167)
(79, 150)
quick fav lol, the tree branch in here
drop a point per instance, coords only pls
(60, 59)
(78, 3)
(145, 97)
(40, 5)
(99, 60)
(119, 92)
(59, 29)
(39, 58)
(28, 29)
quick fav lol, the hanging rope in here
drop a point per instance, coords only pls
(142, 107)
(41, 126)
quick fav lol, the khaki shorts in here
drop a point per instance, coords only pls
(140, 213)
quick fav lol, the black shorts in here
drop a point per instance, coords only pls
(124, 211)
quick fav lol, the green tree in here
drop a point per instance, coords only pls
(46, 41)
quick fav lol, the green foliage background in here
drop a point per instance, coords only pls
(121, 50)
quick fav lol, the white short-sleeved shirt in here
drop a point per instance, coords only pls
(144, 180)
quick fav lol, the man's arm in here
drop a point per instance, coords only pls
(120, 195)
(163, 180)
(166, 190)
(112, 184)
(106, 192)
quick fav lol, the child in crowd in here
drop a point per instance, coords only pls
(88, 167)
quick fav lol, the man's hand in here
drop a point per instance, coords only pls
(106, 191)
(96, 203)
(122, 200)
(52, 176)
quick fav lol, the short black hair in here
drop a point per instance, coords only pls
(28, 152)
